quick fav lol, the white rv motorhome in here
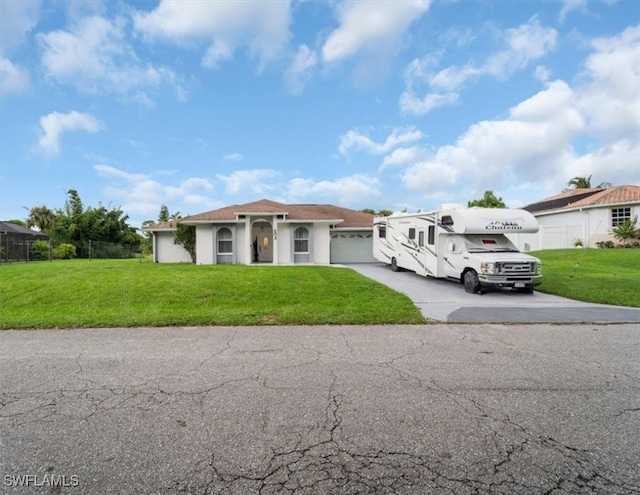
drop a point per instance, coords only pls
(468, 245)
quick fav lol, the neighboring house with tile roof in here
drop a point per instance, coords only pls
(587, 215)
(265, 231)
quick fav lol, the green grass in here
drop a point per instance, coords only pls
(114, 293)
(608, 276)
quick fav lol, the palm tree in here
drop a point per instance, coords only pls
(585, 183)
(580, 182)
(42, 218)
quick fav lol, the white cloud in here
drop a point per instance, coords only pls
(533, 143)
(523, 45)
(18, 18)
(535, 146)
(347, 190)
(610, 98)
(254, 181)
(371, 27)
(542, 74)
(108, 171)
(55, 124)
(142, 195)
(13, 79)
(430, 177)
(616, 163)
(299, 70)
(355, 140)
(403, 156)
(233, 157)
(262, 27)
(569, 6)
(95, 56)
(411, 104)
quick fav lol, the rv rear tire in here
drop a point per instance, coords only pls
(394, 265)
(471, 282)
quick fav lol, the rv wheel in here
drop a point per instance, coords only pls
(394, 265)
(471, 282)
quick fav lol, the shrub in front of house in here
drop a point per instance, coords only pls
(605, 245)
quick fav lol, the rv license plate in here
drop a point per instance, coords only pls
(519, 284)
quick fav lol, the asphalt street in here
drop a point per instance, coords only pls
(444, 300)
(425, 409)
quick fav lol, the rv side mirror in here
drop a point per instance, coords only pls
(527, 247)
(452, 247)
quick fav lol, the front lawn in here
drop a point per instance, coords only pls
(125, 293)
(608, 276)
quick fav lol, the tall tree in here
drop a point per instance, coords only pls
(73, 206)
(163, 216)
(42, 218)
(489, 200)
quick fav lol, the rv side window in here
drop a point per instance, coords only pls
(421, 238)
(432, 235)
(447, 220)
(412, 233)
(382, 231)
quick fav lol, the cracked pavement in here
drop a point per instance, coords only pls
(453, 409)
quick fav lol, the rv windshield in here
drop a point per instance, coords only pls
(478, 243)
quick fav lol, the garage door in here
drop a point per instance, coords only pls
(351, 247)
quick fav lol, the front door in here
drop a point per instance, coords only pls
(262, 235)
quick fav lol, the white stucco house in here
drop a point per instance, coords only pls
(268, 232)
(586, 215)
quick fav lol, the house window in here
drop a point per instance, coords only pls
(301, 240)
(225, 241)
(620, 215)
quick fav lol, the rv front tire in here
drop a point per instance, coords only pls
(471, 282)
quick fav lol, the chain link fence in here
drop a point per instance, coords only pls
(16, 248)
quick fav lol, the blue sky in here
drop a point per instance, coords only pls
(362, 104)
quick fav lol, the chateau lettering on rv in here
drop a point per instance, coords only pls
(500, 225)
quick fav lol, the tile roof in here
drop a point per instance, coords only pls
(343, 217)
(170, 225)
(582, 198)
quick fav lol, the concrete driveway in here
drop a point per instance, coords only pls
(337, 410)
(443, 300)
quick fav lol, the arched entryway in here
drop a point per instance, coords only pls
(261, 242)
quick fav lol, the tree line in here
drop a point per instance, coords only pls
(77, 228)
